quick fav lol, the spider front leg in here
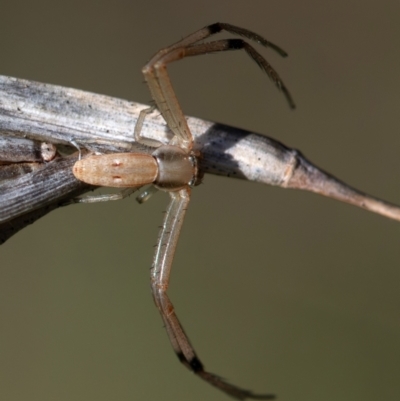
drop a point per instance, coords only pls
(104, 197)
(157, 78)
(160, 273)
(156, 75)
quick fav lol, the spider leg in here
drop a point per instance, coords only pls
(157, 78)
(145, 195)
(167, 103)
(160, 273)
(238, 44)
(105, 197)
(221, 26)
(152, 143)
(213, 29)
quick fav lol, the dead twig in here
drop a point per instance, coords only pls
(64, 116)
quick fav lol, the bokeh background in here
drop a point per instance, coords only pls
(280, 291)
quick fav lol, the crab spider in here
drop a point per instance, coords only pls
(172, 168)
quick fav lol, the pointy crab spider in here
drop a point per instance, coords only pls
(173, 168)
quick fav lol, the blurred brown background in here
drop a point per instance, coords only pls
(279, 291)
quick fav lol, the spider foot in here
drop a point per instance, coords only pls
(230, 389)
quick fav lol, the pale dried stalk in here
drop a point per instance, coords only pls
(99, 123)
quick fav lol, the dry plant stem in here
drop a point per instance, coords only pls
(56, 114)
(41, 187)
(15, 170)
(308, 177)
(30, 196)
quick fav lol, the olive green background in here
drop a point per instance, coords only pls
(279, 290)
